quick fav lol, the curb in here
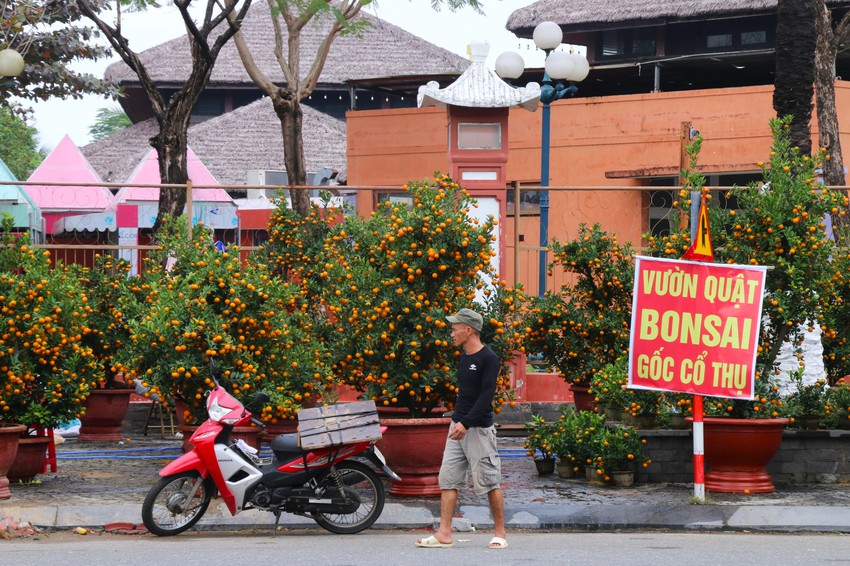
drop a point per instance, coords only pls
(126, 519)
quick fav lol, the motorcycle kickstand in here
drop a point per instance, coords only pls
(276, 520)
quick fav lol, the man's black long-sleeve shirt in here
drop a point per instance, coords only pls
(476, 378)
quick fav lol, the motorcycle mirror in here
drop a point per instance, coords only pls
(214, 372)
(259, 399)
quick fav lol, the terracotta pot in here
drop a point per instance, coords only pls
(545, 466)
(9, 437)
(807, 422)
(180, 409)
(623, 478)
(643, 422)
(29, 461)
(737, 452)
(414, 450)
(565, 470)
(250, 434)
(105, 410)
(582, 398)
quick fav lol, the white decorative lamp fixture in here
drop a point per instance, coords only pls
(11, 63)
(560, 66)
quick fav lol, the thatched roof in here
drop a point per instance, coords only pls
(581, 15)
(229, 145)
(384, 50)
(250, 138)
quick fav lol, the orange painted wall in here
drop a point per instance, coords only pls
(592, 140)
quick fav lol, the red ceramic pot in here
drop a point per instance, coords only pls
(29, 461)
(737, 452)
(414, 450)
(9, 437)
(105, 410)
(582, 398)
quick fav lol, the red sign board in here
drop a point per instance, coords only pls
(695, 327)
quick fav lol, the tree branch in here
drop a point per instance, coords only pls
(349, 12)
(121, 46)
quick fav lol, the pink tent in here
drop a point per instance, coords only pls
(147, 173)
(66, 164)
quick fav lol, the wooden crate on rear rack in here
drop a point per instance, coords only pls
(344, 423)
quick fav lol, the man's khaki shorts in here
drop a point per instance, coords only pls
(476, 451)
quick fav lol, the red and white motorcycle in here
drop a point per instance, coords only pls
(341, 494)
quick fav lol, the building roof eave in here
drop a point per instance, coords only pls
(479, 87)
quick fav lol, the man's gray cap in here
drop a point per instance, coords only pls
(468, 317)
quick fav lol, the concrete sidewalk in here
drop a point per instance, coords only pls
(103, 484)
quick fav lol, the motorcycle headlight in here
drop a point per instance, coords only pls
(216, 411)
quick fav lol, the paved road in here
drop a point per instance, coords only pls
(396, 548)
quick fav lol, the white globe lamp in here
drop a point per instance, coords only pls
(509, 65)
(547, 35)
(11, 63)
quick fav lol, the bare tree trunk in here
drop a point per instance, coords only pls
(287, 99)
(172, 141)
(827, 48)
(795, 53)
(171, 144)
(288, 110)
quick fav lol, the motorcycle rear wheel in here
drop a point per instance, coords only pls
(169, 508)
(360, 480)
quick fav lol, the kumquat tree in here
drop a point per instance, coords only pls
(105, 284)
(781, 222)
(584, 326)
(209, 306)
(387, 284)
(46, 369)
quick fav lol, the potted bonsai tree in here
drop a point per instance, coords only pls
(584, 326)
(621, 452)
(541, 440)
(106, 285)
(45, 367)
(805, 404)
(196, 304)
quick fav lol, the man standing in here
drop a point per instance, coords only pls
(471, 443)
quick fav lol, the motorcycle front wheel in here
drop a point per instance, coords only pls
(176, 503)
(360, 481)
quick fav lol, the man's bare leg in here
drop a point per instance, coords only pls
(448, 502)
(497, 508)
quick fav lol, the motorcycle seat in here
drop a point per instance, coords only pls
(285, 443)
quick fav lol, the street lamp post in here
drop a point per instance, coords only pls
(559, 66)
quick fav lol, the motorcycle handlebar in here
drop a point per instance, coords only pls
(258, 423)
